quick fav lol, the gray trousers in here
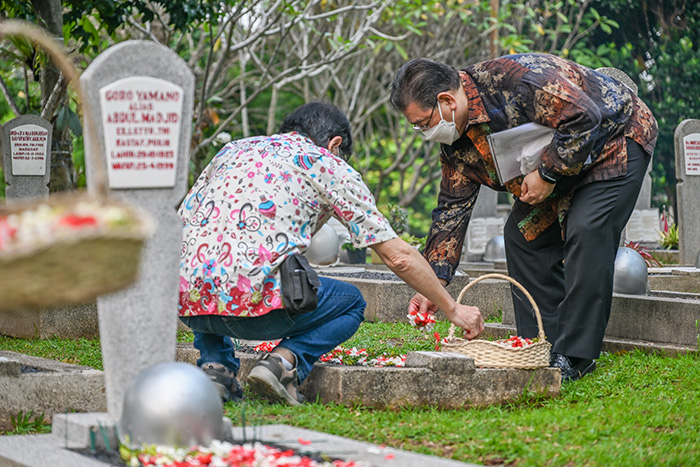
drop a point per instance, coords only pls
(571, 279)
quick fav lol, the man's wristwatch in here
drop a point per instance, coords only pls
(546, 177)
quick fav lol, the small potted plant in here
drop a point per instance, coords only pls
(354, 255)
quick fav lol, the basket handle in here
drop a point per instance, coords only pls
(540, 335)
(39, 36)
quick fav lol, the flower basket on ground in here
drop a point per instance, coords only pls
(511, 353)
(69, 248)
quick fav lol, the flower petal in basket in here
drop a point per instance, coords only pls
(490, 354)
(493, 354)
(68, 249)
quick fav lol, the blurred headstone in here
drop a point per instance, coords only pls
(485, 223)
(687, 145)
(141, 96)
(643, 226)
(26, 147)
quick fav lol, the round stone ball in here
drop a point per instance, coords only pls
(630, 272)
(324, 248)
(495, 250)
(171, 404)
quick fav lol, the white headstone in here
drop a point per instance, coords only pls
(643, 226)
(26, 143)
(687, 145)
(486, 207)
(480, 231)
(141, 96)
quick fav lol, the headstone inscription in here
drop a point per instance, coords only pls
(141, 96)
(687, 149)
(26, 143)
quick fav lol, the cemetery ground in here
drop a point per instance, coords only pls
(635, 409)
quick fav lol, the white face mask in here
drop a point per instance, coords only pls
(444, 132)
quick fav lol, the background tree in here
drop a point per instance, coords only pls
(658, 44)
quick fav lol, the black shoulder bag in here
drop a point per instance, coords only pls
(300, 284)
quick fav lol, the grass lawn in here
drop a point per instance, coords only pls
(636, 410)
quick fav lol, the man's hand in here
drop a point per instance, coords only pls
(421, 304)
(468, 318)
(534, 190)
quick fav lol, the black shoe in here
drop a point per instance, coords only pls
(225, 381)
(571, 371)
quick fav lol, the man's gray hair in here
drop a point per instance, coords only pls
(420, 81)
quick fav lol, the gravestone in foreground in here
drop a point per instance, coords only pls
(687, 145)
(141, 96)
(26, 147)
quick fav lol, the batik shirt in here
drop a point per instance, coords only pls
(259, 201)
(591, 113)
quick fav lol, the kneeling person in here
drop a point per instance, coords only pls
(257, 203)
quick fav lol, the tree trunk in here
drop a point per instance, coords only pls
(50, 14)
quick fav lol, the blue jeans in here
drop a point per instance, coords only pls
(339, 313)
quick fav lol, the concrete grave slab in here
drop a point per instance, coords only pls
(68, 322)
(43, 450)
(443, 379)
(337, 446)
(47, 386)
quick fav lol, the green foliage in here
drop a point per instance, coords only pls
(25, 423)
(413, 240)
(658, 45)
(85, 20)
(398, 218)
(670, 239)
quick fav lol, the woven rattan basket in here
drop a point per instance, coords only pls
(491, 354)
(51, 266)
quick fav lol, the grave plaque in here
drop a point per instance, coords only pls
(141, 120)
(691, 152)
(687, 146)
(141, 96)
(26, 143)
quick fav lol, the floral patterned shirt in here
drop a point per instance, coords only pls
(259, 201)
(592, 114)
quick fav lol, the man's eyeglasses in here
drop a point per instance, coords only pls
(427, 125)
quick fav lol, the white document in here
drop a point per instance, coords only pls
(518, 151)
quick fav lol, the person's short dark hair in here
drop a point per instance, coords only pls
(320, 122)
(420, 81)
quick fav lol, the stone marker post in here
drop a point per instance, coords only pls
(141, 97)
(26, 147)
(687, 145)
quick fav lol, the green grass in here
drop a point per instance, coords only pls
(636, 410)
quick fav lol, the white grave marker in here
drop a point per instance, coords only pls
(643, 226)
(687, 150)
(480, 231)
(141, 116)
(26, 157)
(29, 150)
(691, 148)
